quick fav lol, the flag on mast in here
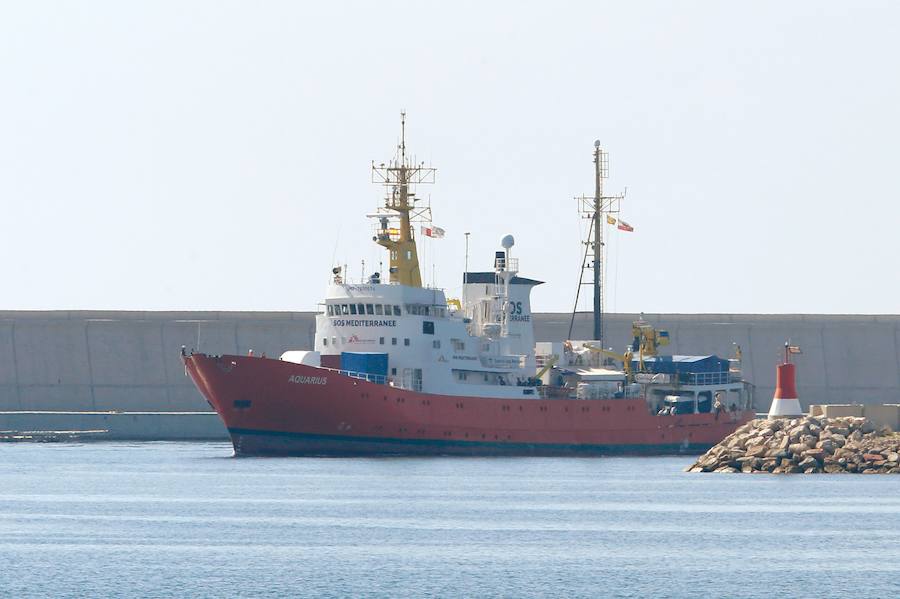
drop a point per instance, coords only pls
(610, 219)
(434, 232)
(794, 349)
(623, 226)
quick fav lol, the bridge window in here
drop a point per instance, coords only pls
(361, 308)
(381, 341)
(379, 309)
(344, 309)
(427, 327)
(406, 341)
(324, 340)
(393, 341)
(352, 308)
(458, 345)
(370, 309)
(396, 310)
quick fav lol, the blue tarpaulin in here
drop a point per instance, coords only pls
(374, 363)
(682, 364)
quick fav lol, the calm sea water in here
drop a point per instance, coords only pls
(186, 519)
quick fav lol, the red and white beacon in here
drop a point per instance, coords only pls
(786, 403)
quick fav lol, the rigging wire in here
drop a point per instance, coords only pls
(587, 246)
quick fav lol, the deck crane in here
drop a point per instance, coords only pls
(647, 341)
(625, 358)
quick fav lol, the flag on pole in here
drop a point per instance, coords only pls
(435, 232)
(623, 226)
(610, 219)
(794, 349)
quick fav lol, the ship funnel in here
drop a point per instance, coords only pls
(785, 402)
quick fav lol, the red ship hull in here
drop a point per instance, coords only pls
(272, 407)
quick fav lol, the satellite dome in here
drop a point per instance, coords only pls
(507, 242)
(597, 143)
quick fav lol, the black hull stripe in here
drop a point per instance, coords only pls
(317, 444)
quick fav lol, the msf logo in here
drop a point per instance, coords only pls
(308, 380)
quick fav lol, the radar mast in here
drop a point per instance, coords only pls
(398, 176)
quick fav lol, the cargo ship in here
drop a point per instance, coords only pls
(398, 368)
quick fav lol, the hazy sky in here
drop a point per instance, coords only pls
(216, 155)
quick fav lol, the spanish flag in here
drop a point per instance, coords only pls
(623, 226)
(610, 220)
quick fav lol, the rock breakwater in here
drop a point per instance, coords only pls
(805, 445)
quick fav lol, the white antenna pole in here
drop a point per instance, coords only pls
(466, 271)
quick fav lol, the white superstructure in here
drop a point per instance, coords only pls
(482, 347)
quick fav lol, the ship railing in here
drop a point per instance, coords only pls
(709, 378)
(366, 376)
(550, 392)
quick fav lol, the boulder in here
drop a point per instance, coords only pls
(844, 453)
(816, 454)
(757, 451)
(827, 445)
(809, 440)
(797, 448)
(808, 462)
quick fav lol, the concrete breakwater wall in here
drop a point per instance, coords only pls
(129, 361)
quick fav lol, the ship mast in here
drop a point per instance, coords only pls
(398, 176)
(599, 209)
